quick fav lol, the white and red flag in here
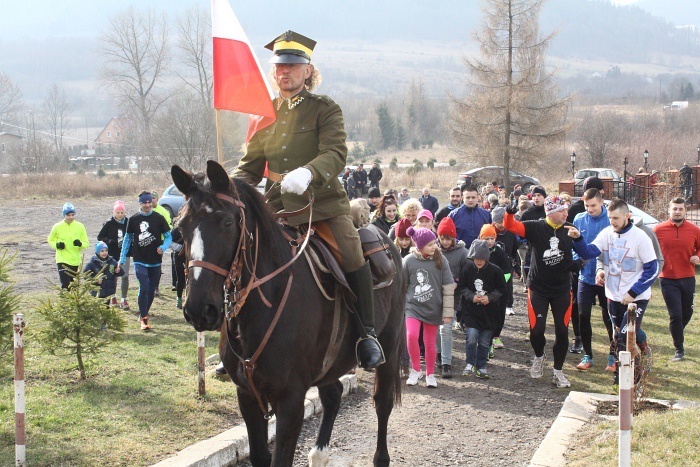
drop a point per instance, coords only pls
(239, 82)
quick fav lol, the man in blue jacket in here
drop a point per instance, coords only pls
(429, 201)
(469, 218)
(590, 223)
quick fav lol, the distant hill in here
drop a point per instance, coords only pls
(44, 41)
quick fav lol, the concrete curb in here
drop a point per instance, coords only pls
(232, 445)
(578, 409)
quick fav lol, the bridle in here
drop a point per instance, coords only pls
(235, 295)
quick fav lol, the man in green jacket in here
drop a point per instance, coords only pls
(305, 147)
(69, 239)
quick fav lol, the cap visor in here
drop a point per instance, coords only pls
(288, 58)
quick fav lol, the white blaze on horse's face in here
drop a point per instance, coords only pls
(197, 252)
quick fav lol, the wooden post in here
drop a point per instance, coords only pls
(626, 399)
(20, 430)
(200, 363)
(219, 138)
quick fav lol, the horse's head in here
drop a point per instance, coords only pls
(211, 228)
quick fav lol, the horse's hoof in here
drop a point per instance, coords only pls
(318, 457)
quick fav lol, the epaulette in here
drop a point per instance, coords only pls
(323, 98)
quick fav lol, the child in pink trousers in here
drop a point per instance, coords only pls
(429, 300)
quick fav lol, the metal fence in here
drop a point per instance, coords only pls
(653, 198)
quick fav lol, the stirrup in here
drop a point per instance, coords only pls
(382, 358)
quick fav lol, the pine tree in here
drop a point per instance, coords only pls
(512, 111)
(386, 126)
(77, 322)
(9, 301)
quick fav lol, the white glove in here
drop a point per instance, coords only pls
(297, 181)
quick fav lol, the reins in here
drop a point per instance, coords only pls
(235, 272)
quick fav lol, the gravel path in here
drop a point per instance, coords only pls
(465, 421)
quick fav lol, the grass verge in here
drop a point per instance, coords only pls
(669, 438)
(138, 405)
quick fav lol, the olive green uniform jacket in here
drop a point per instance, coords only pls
(310, 135)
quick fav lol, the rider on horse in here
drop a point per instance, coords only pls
(306, 146)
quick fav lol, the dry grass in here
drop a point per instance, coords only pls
(61, 185)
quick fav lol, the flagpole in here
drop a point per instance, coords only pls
(219, 138)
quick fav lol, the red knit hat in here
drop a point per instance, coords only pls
(487, 230)
(401, 226)
(447, 227)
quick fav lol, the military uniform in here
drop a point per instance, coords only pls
(311, 134)
(306, 144)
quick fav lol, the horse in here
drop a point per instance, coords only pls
(276, 336)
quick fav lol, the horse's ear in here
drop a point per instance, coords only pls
(218, 177)
(183, 180)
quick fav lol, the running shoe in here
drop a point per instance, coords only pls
(447, 371)
(430, 381)
(468, 370)
(577, 347)
(144, 324)
(537, 367)
(491, 352)
(560, 380)
(113, 302)
(413, 377)
(612, 364)
(510, 311)
(482, 374)
(586, 363)
(498, 343)
(178, 304)
(125, 304)
(678, 356)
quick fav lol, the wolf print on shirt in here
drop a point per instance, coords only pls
(424, 289)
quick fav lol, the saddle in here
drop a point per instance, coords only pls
(327, 271)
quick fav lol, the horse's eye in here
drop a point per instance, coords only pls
(228, 223)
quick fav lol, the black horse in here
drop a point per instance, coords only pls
(232, 238)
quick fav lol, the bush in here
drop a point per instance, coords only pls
(9, 301)
(431, 163)
(101, 173)
(394, 164)
(453, 162)
(78, 323)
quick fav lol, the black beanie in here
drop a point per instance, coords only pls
(592, 182)
(539, 189)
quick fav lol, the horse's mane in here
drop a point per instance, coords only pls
(270, 235)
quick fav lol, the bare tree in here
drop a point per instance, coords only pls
(34, 153)
(184, 134)
(601, 135)
(135, 47)
(10, 100)
(512, 111)
(194, 41)
(57, 110)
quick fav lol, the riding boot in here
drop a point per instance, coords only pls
(369, 352)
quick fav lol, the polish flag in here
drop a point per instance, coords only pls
(239, 81)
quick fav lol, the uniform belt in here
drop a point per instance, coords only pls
(274, 176)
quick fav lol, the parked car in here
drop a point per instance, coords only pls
(172, 199)
(637, 214)
(599, 172)
(483, 175)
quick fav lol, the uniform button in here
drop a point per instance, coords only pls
(303, 128)
(284, 122)
(286, 171)
(286, 113)
(285, 159)
(284, 134)
(327, 174)
(284, 147)
(328, 186)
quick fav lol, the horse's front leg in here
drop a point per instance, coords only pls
(330, 395)
(257, 428)
(289, 410)
(388, 382)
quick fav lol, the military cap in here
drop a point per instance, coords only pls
(291, 47)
